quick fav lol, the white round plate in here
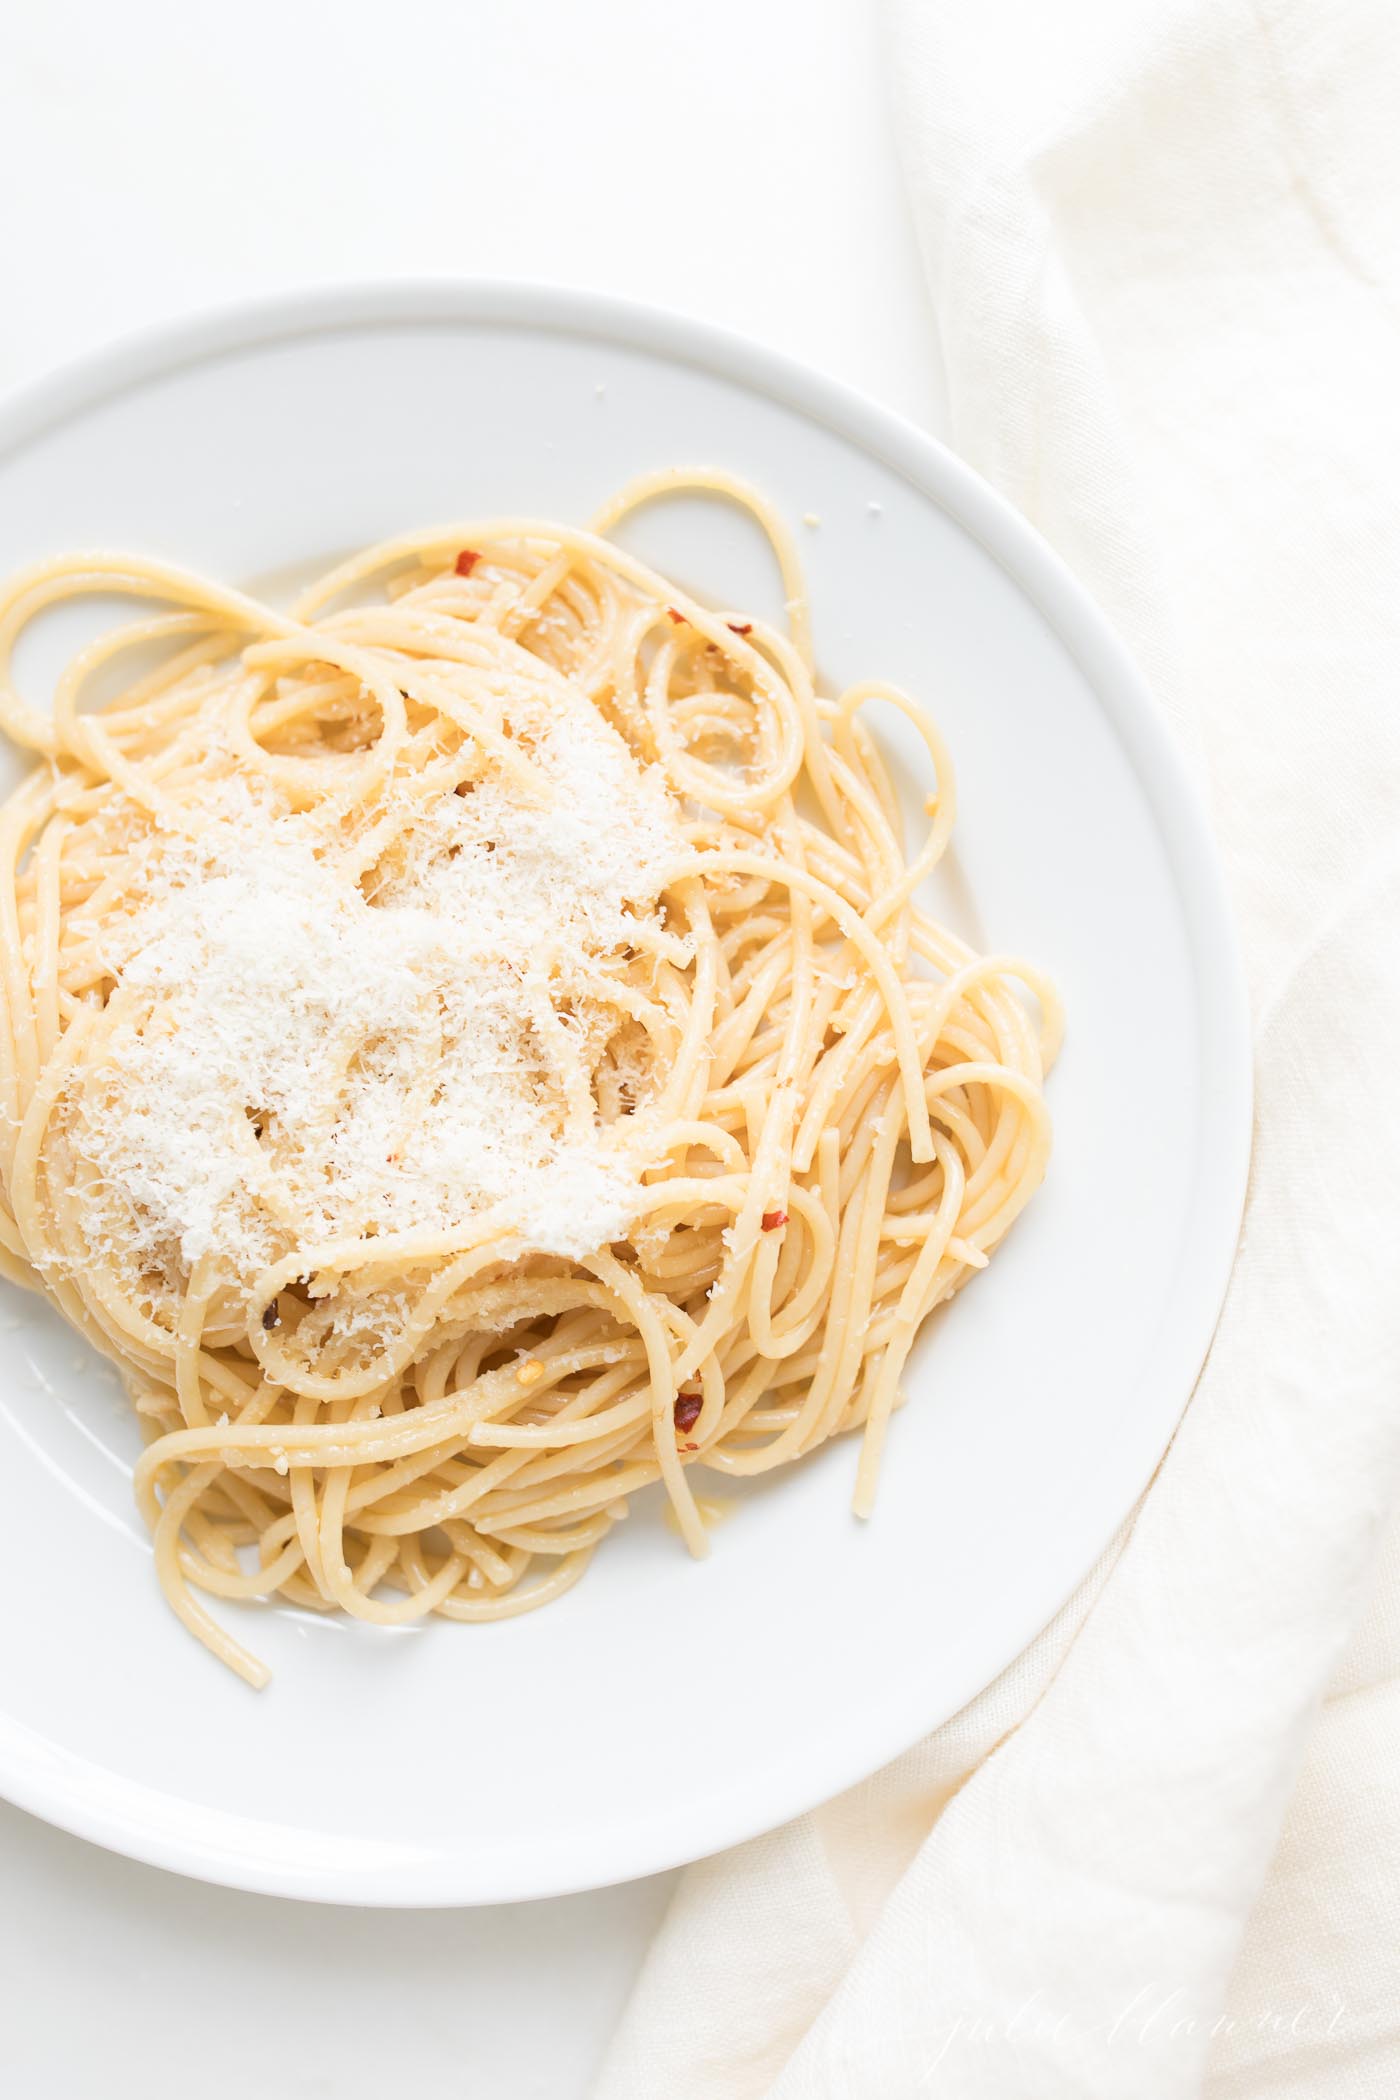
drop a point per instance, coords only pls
(665, 1707)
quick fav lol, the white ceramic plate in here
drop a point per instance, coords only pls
(665, 1707)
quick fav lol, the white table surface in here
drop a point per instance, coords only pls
(733, 161)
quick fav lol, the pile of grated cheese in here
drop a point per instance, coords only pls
(302, 1054)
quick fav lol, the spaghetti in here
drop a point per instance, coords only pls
(471, 1049)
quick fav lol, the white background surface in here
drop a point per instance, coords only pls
(733, 161)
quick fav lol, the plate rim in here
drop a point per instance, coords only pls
(124, 1815)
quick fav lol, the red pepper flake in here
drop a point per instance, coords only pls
(688, 1406)
(270, 1314)
(467, 561)
(690, 1447)
(772, 1219)
(739, 626)
(678, 617)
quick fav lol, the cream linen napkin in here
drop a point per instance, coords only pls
(1161, 245)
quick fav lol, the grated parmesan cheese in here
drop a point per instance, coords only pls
(301, 1050)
